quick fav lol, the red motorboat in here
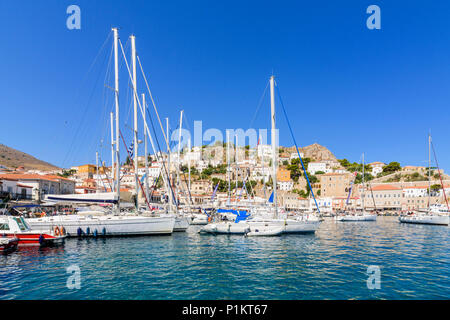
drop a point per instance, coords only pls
(16, 227)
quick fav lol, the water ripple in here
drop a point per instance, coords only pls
(332, 264)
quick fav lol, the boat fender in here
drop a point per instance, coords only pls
(41, 239)
(95, 233)
(88, 231)
(104, 231)
(63, 230)
(79, 232)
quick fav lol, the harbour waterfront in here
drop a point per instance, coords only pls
(332, 264)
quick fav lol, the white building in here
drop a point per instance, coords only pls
(128, 180)
(201, 165)
(285, 185)
(377, 167)
(265, 150)
(415, 191)
(314, 167)
(294, 155)
(259, 173)
(325, 204)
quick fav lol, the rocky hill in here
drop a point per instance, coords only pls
(315, 152)
(12, 158)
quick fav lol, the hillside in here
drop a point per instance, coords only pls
(316, 152)
(12, 158)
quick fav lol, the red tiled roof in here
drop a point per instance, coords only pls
(385, 187)
(27, 176)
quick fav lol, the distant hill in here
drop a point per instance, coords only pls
(12, 158)
(316, 152)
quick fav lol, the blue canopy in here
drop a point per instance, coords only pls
(240, 214)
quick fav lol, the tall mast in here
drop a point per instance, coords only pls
(228, 167)
(274, 147)
(363, 189)
(429, 169)
(112, 149)
(236, 170)
(263, 171)
(116, 87)
(189, 170)
(169, 180)
(178, 162)
(135, 126)
(145, 148)
(96, 173)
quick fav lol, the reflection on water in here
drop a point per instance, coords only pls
(332, 264)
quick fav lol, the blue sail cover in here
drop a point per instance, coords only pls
(214, 193)
(240, 214)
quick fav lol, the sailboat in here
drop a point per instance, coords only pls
(362, 215)
(433, 214)
(181, 222)
(258, 220)
(114, 223)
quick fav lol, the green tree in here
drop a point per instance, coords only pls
(436, 187)
(67, 173)
(392, 167)
(367, 177)
(312, 178)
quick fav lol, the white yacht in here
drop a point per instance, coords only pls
(356, 216)
(425, 218)
(268, 217)
(363, 216)
(435, 214)
(114, 223)
(105, 225)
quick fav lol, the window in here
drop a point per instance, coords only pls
(22, 225)
(4, 226)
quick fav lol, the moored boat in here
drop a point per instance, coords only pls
(418, 218)
(16, 227)
(107, 225)
(434, 214)
(356, 217)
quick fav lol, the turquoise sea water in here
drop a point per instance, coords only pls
(414, 261)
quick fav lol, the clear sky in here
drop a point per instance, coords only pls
(344, 86)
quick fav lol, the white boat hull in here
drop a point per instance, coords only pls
(181, 224)
(288, 225)
(425, 219)
(105, 225)
(366, 217)
(243, 227)
(226, 228)
(199, 219)
(265, 231)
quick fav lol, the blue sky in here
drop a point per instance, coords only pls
(348, 88)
